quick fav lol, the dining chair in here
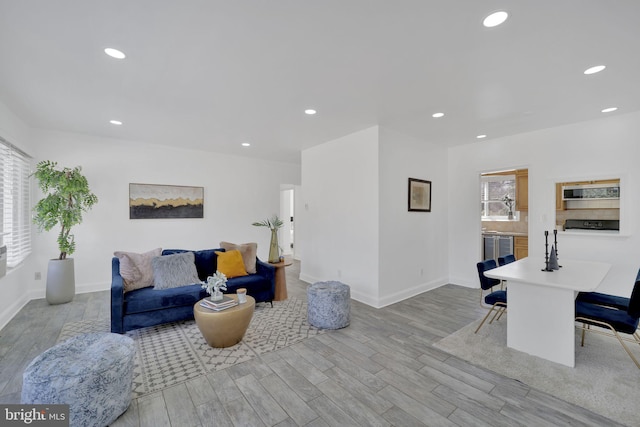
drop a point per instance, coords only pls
(507, 259)
(494, 300)
(597, 298)
(621, 303)
(617, 321)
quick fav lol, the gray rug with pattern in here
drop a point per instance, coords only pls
(605, 380)
(176, 352)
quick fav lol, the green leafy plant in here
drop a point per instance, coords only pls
(273, 223)
(67, 197)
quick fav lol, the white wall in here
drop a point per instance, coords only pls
(337, 234)
(355, 224)
(605, 148)
(237, 192)
(13, 286)
(413, 245)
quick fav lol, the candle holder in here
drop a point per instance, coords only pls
(555, 245)
(546, 252)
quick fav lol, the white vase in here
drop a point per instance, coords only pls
(216, 295)
(61, 282)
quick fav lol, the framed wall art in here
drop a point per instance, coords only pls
(419, 195)
(151, 201)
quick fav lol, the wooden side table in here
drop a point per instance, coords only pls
(281, 280)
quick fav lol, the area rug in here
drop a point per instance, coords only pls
(605, 379)
(176, 352)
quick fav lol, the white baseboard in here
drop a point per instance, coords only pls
(308, 279)
(12, 310)
(388, 300)
(461, 281)
(365, 299)
(93, 287)
(411, 292)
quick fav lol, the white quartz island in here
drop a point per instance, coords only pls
(541, 304)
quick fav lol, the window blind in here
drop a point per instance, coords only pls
(15, 202)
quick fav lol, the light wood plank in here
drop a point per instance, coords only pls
(359, 390)
(297, 382)
(153, 411)
(305, 368)
(293, 405)
(262, 402)
(213, 414)
(381, 369)
(414, 408)
(180, 407)
(363, 414)
(242, 413)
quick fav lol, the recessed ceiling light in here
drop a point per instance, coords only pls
(481, 136)
(246, 144)
(610, 109)
(115, 122)
(437, 115)
(115, 53)
(310, 112)
(595, 69)
(495, 19)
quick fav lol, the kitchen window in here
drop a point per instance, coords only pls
(15, 196)
(493, 190)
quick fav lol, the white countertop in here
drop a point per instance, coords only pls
(505, 233)
(583, 276)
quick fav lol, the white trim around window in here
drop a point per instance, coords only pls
(15, 202)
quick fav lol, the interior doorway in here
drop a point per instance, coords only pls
(286, 237)
(504, 216)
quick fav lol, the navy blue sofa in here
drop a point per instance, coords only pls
(148, 307)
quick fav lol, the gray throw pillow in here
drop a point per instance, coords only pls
(172, 271)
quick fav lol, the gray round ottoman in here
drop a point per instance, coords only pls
(93, 373)
(329, 305)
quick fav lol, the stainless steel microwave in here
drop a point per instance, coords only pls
(591, 192)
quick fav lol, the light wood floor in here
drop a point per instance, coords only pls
(382, 370)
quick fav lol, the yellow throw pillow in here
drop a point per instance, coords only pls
(230, 264)
(249, 252)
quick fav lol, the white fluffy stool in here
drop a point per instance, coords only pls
(92, 373)
(329, 305)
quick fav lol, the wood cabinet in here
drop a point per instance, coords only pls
(521, 247)
(559, 202)
(522, 190)
(561, 205)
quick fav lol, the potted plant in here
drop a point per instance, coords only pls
(274, 223)
(67, 196)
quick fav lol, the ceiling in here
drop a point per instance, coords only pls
(212, 74)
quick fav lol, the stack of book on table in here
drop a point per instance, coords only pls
(223, 304)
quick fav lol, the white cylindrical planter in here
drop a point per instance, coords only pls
(61, 281)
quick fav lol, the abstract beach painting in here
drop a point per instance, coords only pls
(151, 201)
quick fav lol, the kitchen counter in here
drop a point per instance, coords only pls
(504, 233)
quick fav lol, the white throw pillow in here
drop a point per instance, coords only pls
(135, 268)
